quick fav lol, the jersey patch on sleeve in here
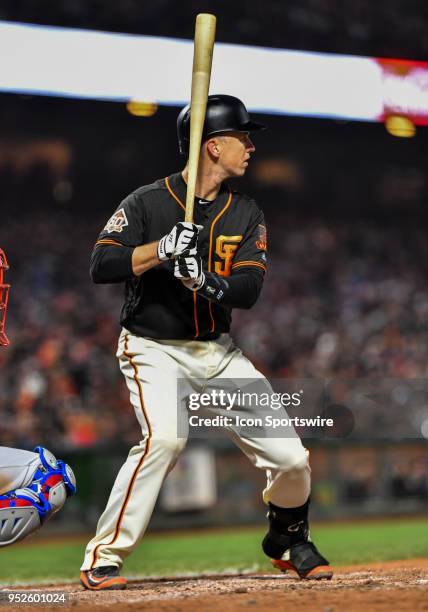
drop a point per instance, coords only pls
(117, 222)
(261, 243)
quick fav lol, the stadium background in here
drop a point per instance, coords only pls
(346, 295)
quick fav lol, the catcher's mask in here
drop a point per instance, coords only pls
(4, 296)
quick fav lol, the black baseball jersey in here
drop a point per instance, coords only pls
(232, 245)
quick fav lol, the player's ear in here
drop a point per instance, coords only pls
(213, 147)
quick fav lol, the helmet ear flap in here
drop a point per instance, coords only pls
(183, 130)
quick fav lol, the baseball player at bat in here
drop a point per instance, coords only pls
(182, 281)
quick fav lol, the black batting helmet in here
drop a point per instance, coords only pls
(223, 114)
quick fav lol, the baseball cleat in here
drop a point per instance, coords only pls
(305, 560)
(322, 572)
(104, 578)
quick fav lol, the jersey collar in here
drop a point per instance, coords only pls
(179, 187)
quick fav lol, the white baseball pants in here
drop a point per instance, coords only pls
(151, 369)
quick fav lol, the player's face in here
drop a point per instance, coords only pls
(235, 151)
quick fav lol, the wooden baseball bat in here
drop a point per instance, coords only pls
(201, 74)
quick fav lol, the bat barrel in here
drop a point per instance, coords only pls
(201, 74)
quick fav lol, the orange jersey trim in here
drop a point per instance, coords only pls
(140, 463)
(195, 308)
(195, 314)
(176, 198)
(229, 199)
(108, 241)
(210, 310)
(242, 264)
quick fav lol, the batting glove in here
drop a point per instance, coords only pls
(182, 240)
(188, 269)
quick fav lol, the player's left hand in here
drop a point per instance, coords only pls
(188, 269)
(181, 240)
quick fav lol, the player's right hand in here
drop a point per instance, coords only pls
(181, 240)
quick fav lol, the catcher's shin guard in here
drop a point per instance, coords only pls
(24, 510)
(19, 516)
(288, 544)
(54, 479)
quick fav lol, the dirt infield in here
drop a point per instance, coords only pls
(396, 585)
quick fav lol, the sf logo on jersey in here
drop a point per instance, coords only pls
(225, 248)
(117, 222)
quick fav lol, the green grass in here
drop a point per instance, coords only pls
(217, 551)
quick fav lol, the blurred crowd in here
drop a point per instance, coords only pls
(393, 28)
(342, 298)
(59, 380)
(406, 479)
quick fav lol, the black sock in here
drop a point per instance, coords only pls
(287, 526)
